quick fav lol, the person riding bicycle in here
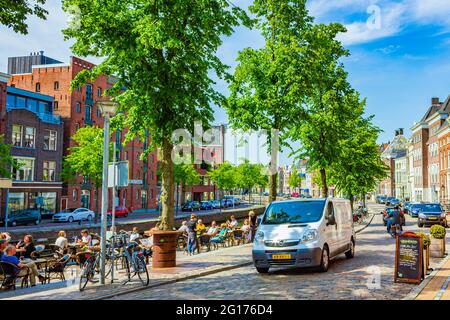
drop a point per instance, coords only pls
(393, 218)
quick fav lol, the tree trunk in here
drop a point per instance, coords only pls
(351, 202)
(363, 199)
(323, 176)
(273, 187)
(167, 186)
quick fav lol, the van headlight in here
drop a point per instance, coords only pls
(443, 215)
(310, 235)
(259, 237)
(422, 216)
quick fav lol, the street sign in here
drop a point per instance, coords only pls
(409, 258)
(121, 174)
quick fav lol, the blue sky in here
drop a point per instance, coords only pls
(400, 52)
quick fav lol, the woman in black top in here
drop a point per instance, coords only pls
(252, 219)
(26, 247)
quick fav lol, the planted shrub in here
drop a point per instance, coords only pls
(438, 232)
(425, 238)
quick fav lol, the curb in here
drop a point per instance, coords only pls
(162, 283)
(416, 291)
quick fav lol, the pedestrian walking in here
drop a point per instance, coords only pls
(192, 234)
(252, 219)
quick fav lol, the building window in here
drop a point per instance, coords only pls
(48, 173)
(89, 92)
(17, 136)
(125, 156)
(74, 195)
(50, 137)
(29, 137)
(77, 126)
(77, 107)
(99, 92)
(38, 87)
(55, 105)
(137, 194)
(88, 116)
(56, 85)
(26, 170)
(99, 113)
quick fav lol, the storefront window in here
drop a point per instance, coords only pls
(85, 198)
(49, 201)
(16, 201)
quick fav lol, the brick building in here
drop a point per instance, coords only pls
(36, 136)
(77, 109)
(444, 159)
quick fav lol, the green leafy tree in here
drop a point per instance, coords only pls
(248, 175)
(185, 175)
(13, 13)
(360, 167)
(85, 158)
(295, 181)
(224, 176)
(327, 109)
(6, 160)
(270, 83)
(164, 54)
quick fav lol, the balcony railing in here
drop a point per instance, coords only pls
(45, 117)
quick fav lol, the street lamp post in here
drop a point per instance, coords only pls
(107, 109)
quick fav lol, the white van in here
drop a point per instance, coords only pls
(304, 233)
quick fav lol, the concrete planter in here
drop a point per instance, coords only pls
(437, 248)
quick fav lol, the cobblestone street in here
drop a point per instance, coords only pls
(346, 279)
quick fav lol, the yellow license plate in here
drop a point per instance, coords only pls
(432, 218)
(281, 256)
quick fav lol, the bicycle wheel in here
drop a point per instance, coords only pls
(86, 274)
(141, 270)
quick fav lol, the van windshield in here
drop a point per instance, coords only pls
(294, 212)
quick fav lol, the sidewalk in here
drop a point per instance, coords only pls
(438, 288)
(187, 268)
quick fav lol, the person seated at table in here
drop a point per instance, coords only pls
(233, 224)
(246, 226)
(135, 235)
(213, 229)
(86, 239)
(62, 241)
(23, 268)
(111, 233)
(183, 227)
(26, 247)
(6, 236)
(3, 244)
(201, 228)
(222, 234)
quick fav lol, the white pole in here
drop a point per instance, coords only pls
(104, 198)
(113, 224)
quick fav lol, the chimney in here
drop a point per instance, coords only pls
(435, 101)
(400, 131)
(42, 53)
(396, 132)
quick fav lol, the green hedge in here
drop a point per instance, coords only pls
(437, 231)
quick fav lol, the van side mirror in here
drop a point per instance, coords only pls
(331, 220)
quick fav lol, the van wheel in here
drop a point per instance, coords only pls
(420, 225)
(89, 218)
(37, 222)
(325, 261)
(14, 223)
(70, 219)
(262, 270)
(350, 253)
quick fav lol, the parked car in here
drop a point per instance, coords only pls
(206, 205)
(388, 210)
(47, 214)
(389, 200)
(394, 202)
(430, 214)
(121, 212)
(191, 206)
(380, 199)
(406, 206)
(284, 234)
(232, 199)
(414, 210)
(74, 214)
(23, 217)
(216, 204)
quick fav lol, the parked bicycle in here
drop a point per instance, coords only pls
(133, 258)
